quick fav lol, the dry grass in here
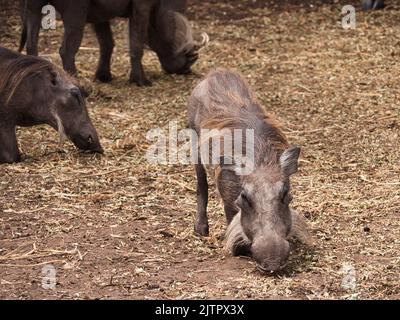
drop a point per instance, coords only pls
(118, 227)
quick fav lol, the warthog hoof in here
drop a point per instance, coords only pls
(140, 81)
(10, 159)
(104, 76)
(144, 83)
(201, 229)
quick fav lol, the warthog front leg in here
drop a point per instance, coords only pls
(9, 152)
(201, 223)
(69, 49)
(230, 211)
(138, 35)
(106, 42)
(229, 188)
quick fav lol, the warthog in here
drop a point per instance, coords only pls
(32, 92)
(373, 4)
(158, 23)
(256, 202)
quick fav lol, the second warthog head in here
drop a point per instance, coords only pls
(171, 37)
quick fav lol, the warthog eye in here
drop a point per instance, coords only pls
(76, 93)
(53, 79)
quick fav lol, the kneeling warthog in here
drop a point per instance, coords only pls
(256, 201)
(32, 92)
(158, 23)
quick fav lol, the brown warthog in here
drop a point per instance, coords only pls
(256, 200)
(32, 92)
(158, 23)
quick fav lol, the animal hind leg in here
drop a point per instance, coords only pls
(32, 22)
(106, 42)
(74, 24)
(70, 47)
(9, 152)
(138, 33)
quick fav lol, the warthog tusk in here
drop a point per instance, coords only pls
(206, 39)
(60, 129)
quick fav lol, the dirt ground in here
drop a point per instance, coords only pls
(117, 227)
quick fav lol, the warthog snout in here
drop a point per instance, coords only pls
(87, 139)
(88, 142)
(173, 40)
(181, 61)
(270, 253)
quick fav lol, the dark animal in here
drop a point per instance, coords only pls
(373, 4)
(32, 92)
(256, 203)
(158, 23)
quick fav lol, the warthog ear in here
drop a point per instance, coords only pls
(289, 161)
